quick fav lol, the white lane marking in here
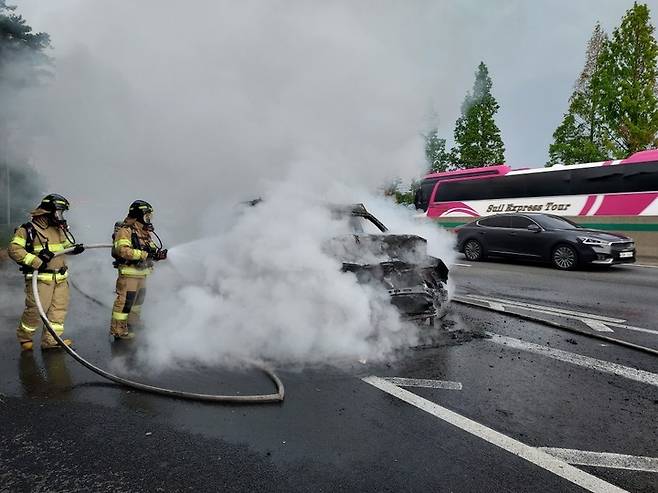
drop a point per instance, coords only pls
(461, 265)
(578, 359)
(604, 459)
(419, 382)
(642, 265)
(548, 308)
(553, 311)
(637, 329)
(531, 454)
(596, 325)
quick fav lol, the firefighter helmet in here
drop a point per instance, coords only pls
(55, 205)
(54, 202)
(141, 210)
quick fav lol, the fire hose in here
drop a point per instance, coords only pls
(243, 399)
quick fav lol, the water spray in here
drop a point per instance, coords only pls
(242, 399)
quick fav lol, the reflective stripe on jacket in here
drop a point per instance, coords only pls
(44, 234)
(49, 277)
(133, 255)
(129, 270)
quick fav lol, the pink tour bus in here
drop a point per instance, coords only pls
(619, 195)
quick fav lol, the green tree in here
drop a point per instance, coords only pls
(23, 63)
(438, 159)
(393, 189)
(23, 58)
(626, 85)
(477, 137)
(578, 139)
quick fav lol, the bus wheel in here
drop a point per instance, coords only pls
(564, 257)
(473, 250)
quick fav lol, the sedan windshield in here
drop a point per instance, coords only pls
(555, 222)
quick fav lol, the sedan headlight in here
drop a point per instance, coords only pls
(586, 240)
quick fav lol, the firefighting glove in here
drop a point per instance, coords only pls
(78, 248)
(160, 255)
(45, 256)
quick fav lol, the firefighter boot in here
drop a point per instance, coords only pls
(119, 330)
(49, 342)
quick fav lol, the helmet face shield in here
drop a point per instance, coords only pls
(57, 218)
(54, 203)
(146, 221)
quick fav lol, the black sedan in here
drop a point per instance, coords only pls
(542, 237)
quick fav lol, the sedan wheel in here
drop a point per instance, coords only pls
(565, 257)
(473, 250)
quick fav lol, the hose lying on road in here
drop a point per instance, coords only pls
(255, 399)
(556, 325)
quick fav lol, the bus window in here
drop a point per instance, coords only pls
(641, 177)
(451, 191)
(506, 187)
(607, 179)
(424, 193)
(548, 183)
(494, 188)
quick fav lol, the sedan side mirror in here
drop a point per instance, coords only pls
(534, 228)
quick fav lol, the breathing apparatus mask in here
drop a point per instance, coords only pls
(57, 218)
(146, 221)
(142, 211)
(148, 226)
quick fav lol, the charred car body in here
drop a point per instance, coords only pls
(414, 280)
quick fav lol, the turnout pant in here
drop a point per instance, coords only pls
(54, 298)
(131, 292)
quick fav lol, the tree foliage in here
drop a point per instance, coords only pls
(477, 137)
(23, 63)
(578, 139)
(626, 85)
(23, 58)
(393, 190)
(438, 159)
(613, 111)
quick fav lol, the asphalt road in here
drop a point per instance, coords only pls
(493, 403)
(627, 293)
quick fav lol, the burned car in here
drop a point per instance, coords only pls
(414, 280)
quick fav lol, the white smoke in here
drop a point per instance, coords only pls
(267, 288)
(198, 110)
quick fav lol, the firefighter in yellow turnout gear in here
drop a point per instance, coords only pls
(134, 252)
(32, 247)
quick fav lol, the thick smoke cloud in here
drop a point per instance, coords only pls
(534, 51)
(191, 109)
(197, 110)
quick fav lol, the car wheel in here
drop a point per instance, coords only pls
(564, 257)
(473, 250)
